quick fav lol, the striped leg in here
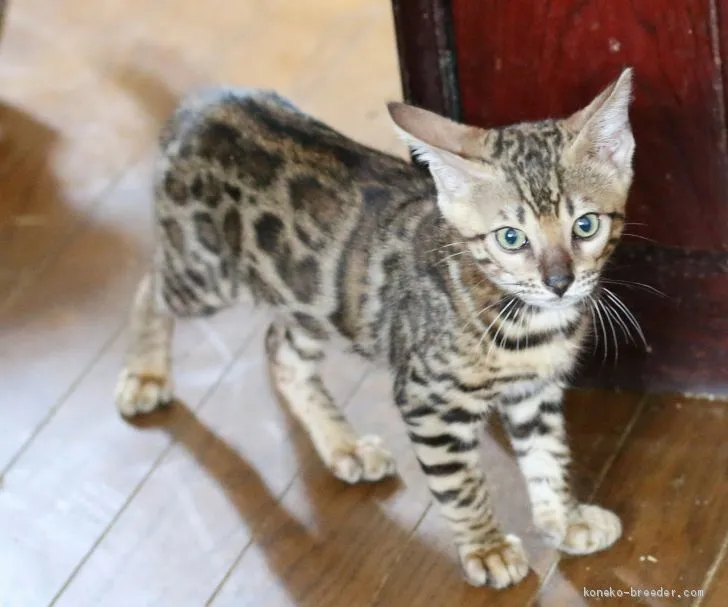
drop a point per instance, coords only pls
(445, 439)
(294, 357)
(535, 423)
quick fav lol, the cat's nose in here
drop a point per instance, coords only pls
(559, 282)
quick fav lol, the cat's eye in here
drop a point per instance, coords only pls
(511, 239)
(586, 225)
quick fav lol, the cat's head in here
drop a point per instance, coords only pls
(539, 205)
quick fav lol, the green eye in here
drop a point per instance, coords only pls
(511, 239)
(586, 225)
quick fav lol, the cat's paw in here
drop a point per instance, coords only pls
(365, 461)
(584, 530)
(498, 566)
(141, 393)
(590, 529)
(553, 524)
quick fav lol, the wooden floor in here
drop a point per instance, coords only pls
(220, 500)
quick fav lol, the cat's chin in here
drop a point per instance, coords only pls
(562, 303)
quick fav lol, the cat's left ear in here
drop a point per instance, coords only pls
(602, 129)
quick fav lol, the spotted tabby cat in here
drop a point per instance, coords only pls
(469, 281)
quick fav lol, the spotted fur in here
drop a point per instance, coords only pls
(254, 196)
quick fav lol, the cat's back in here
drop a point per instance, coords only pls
(261, 135)
(223, 116)
(255, 191)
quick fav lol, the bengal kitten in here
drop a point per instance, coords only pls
(471, 283)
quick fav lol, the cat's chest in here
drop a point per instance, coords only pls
(547, 347)
(546, 352)
(522, 371)
(550, 361)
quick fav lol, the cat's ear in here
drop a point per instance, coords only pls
(443, 144)
(602, 128)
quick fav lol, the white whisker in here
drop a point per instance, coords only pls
(633, 283)
(611, 310)
(608, 316)
(645, 238)
(484, 310)
(452, 244)
(508, 306)
(627, 313)
(437, 263)
(604, 329)
(594, 322)
(502, 325)
(521, 327)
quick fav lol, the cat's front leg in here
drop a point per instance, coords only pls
(445, 438)
(535, 423)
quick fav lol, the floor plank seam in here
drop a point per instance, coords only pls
(30, 276)
(609, 462)
(56, 407)
(142, 482)
(280, 497)
(712, 571)
(253, 537)
(400, 553)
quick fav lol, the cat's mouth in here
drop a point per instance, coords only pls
(565, 302)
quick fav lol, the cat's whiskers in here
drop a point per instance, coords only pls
(477, 315)
(506, 318)
(645, 238)
(590, 307)
(480, 282)
(452, 244)
(502, 299)
(518, 309)
(629, 316)
(598, 312)
(612, 311)
(634, 283)
(508, 306)
(530, 314)
(521, 327)
(609, 307)
(608, 316)
(444, 259)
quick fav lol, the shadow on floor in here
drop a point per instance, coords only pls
(260, 509)
(37, 222)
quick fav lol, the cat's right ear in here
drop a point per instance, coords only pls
(443, 144)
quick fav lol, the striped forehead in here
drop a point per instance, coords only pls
(530, 156)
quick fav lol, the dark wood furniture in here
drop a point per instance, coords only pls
(491, 62)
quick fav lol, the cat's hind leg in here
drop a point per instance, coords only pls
(294, 357)
(145, 381)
